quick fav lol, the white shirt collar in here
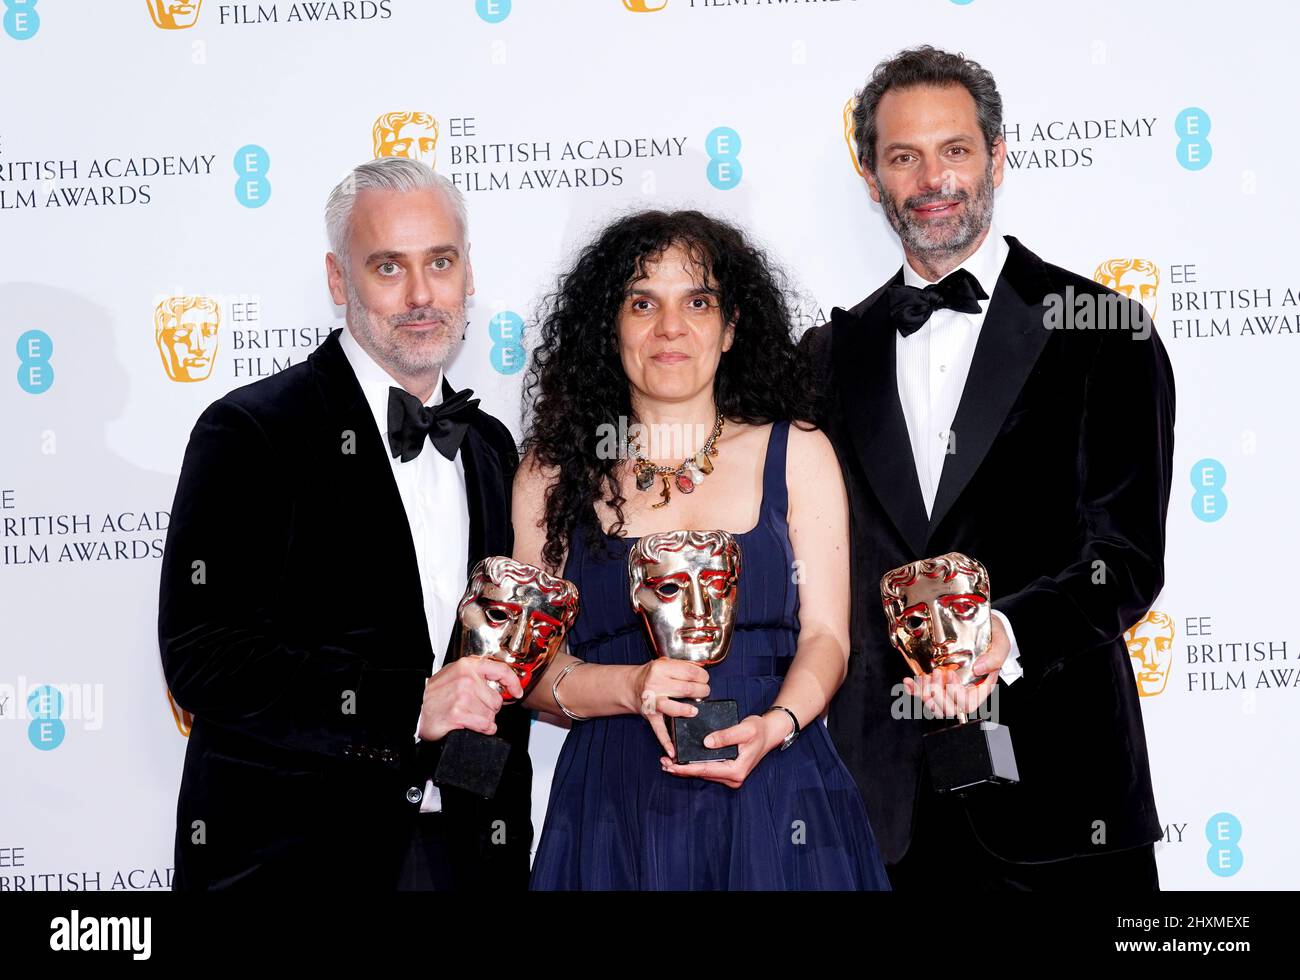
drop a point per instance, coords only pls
(375, 381)
(985, 263)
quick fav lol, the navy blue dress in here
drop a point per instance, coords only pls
(616, 820)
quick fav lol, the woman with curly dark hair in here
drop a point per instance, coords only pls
(667, 393)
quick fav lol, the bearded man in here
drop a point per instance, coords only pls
(317, 551)
(986, 402)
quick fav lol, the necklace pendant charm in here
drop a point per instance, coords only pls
(703, 463)
(645, 478)
(695, 473)
(685, 484)
(667, 495)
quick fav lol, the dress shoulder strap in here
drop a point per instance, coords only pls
(776, 499)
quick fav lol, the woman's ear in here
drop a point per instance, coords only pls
(729, 334)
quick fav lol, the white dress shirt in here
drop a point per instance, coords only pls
(932, 365)
(432, 489)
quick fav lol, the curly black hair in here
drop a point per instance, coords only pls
(576, 384)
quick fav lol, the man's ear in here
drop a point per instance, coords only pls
(335, 276)
(872, 186)
(469, 273)
(999, 159)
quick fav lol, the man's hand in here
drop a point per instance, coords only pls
(459, 696)
(946, 698)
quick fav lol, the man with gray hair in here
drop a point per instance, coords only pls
(317, 551)
(970, 419)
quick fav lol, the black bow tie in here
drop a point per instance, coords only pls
(409, 423)
(911, 307)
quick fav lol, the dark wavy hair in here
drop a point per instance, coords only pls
(924, 65)
(576, 384)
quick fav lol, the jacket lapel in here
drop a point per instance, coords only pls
(489, 512)
(1010, 341)
(864, 359)
(372, 490)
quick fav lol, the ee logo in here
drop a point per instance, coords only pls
(47, 729)
(1192, 126)
(252, 190)
(35, 373)
(1223, 831)
(493, 11)
(21, 19)
(1209, 503)
(507, 332)
(723, 148)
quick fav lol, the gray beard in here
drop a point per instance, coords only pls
(917, 238)
(408, 356)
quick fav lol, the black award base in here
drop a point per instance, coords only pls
(688, 733)
(472, 761)
(965, 756)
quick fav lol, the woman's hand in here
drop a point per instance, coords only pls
(656, 684)
(755, 737)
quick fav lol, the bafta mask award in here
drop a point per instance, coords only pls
(938, 614)
(684, 586)
(517, 614)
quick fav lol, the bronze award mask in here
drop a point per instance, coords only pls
(937, 610)
(518, 614)
(938, 613)
(515, 613)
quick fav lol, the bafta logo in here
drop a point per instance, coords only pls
(1135, 278)
(849, 137)
(645, 6)
(413, 135)
(1151, 645)
(174, 15)
(184, 720)
(185, 330)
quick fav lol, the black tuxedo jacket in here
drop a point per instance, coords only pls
(1059, 484)
(291, 623)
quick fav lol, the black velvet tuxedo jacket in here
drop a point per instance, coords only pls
(291, 623)
(1059, 484)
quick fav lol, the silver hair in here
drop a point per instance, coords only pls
(385, 174)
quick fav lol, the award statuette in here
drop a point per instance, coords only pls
(684, 586)
(938, 613)
(517, 614)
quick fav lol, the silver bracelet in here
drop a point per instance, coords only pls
(794, 733)
(555, 691)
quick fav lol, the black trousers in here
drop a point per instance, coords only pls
(946, 854)
(432, 861)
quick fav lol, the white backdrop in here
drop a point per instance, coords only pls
(142, 159)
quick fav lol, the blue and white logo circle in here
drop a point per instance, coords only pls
(21, 21)
(252, 190)
(723, 147)
(1209, 502)
(45, 705)
(1223, 831)
(35, 373)
(493, 11)
(1193, 126)
(506, 331)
